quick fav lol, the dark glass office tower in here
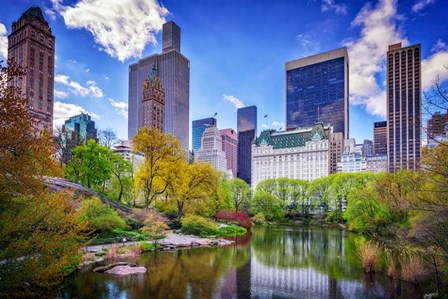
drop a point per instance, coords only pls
(247, 132)
(404, 102)
(380, 138)
(198, 128)
(174, 72)
(317, 89)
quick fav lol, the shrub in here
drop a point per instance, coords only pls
(134, 224)
(240, 218)
(197, 225)
(145, 246)
(154, 227)
(413, 269)
(259, 218)
(369, 253)
(100, 216)
(231, 230)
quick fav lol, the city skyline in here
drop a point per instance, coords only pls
(221, 43)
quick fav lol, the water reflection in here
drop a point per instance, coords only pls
(273, 262)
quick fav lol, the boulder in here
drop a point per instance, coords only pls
(126, 270)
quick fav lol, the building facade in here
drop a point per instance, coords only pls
(174, 73)
(380, 138)
(153, 102)
(198, 128)
(317, 89)
(296, 154)
(230, 148)
(211, 150)
(31, 45)
(367, 148)
(336, 150)
(377, 163)
(353, 159)
(404, 102)
(125, 149)
(247, 132)
(436, 126)
(80, 127)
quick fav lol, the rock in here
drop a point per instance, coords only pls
(214, 242)
(126, 270)
(105, 268)
(194, 243)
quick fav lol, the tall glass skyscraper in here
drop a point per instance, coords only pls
(317, 90)
(404, 103)
(174, 73)
(198, 128)
(247, 132)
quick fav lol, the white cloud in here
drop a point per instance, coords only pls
(3, 42)
(378, 30)
(60, 94)
(50, 13)
(121, 28)
(330, 5)
(121, 107)
(439, 46)
(420, 5)
(264, 126)
(234, 101)
(433, 67)
(278, 124)
(91, 88)
(308, 44)
(63, 111)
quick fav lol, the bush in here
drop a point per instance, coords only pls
(231, 230)
(100, 216)
(259, 218)
(240, 218)
(154, 227)
(145, 246)
(134, 224)
(197, 225)
(334, 217)
(369, 253)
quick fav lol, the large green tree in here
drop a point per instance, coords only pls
(241, 193)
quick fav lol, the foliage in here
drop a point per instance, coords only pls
(146, 246)
(122, 173)
(240, 192)
(40, 234)
(258, 218)
(240, 218)
(100, 216)
(162, 155)
(271, 207)
(231, 230)
(91, 165)
(155, 226)
(197, 225)
(191, 186)
(369, 253)
(65, 141)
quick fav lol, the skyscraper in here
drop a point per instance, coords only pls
(317, 90)
(230, 147)
(198, 128)
(174, 74)
(436, 126)
(153, 102)
(380, 138)
(31, 46)
(211, 150)
(247, 132)
(81, 127)
(404, 102)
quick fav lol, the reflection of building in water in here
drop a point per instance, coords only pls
(270, 282)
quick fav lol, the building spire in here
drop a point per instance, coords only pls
(153, 74)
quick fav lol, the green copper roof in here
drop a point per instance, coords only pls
(34, 13)
(293, 138)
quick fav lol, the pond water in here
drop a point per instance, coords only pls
(270, 262)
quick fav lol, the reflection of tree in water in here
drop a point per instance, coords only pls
(328, 251)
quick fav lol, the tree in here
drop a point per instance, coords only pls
(270, 206)
(282, 190)
(91, 165)
(192, 184)
(241, 192)
(162, 152)
(65, 142)
(122, 172)
(108, 137)
(40, 234)
(299, 192)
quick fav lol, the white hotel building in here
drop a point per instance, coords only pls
(297, 154)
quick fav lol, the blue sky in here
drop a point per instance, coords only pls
(237, 51)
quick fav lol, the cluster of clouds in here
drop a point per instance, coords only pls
(91, 89)
(3, 42)
(121, 28)
(331, 5)
(236, 102)
(379, 27)
(120, 107)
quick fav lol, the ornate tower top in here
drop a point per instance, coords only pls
(153, 80)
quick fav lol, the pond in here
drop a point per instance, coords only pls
(270, 262)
